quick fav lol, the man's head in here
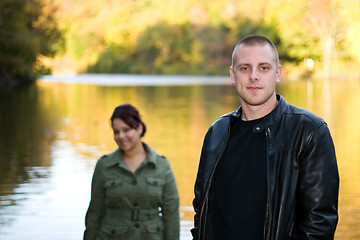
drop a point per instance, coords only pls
(255, 71)
(253, 40)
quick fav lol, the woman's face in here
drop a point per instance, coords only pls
(127, 138)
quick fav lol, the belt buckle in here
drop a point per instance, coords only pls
(135, 214)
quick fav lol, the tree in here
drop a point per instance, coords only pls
(28, 31)
(297, 42)
(350, 14)
(197, 37)
(322, 20)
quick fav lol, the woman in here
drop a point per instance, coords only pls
(133, 194)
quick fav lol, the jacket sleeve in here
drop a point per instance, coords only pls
(214, 144)
(170, 208)
(316, 213)
(94, 213)
(197, 204)
(199, 184)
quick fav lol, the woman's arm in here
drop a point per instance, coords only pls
(95, 210)
(170, 208)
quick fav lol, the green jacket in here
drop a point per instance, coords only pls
(127, 205)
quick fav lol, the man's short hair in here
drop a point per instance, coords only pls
(253, 40)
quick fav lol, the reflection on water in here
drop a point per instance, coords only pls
(52, 134)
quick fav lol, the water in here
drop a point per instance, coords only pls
(52, 134)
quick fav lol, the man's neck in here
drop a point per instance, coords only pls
(255, 112)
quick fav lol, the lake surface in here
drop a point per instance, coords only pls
(52, 134)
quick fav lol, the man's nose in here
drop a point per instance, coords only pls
(254, 76)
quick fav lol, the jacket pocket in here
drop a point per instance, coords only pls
(114, 231)
(155, 186)
(113, 188)
(155, 231)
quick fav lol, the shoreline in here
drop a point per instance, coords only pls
(136, 79)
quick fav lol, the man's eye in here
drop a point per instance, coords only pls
(126, 129)
(263, 68)
(244, 68)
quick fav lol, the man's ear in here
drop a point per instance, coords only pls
(232, 75)
(278, 74)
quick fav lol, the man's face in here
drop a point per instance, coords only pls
(255, 74)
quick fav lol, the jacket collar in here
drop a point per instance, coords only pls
(115, 158)
(270, 119)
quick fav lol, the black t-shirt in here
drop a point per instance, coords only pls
(240, 185)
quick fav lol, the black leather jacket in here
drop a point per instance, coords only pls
(302, 174)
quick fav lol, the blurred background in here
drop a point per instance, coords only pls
(65, 65)
(314, 37)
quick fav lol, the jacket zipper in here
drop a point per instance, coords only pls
(268, 215)
(208, 188)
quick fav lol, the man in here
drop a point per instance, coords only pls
(267, 170)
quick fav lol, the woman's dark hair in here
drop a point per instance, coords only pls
(130, 115)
